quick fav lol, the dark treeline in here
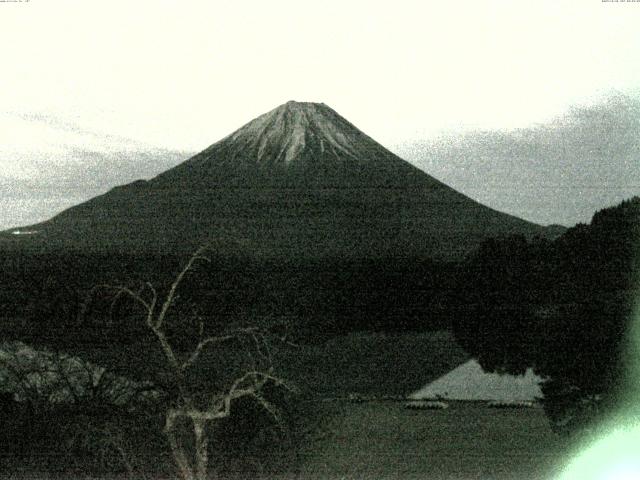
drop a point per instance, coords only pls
(46, 298)
(563, 307)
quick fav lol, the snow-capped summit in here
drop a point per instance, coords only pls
(298, 144)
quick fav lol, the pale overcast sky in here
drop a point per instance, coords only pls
(175, 76)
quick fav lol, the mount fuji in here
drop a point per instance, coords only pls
(299, 181)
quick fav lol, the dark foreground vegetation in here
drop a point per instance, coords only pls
(102, 441)
(95, 437)
(563, 307)
(379, 439)
(42, 295)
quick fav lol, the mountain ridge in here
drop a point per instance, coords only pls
(298, 181)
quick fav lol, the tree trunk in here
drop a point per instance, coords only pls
(202, 453)
(185, 470)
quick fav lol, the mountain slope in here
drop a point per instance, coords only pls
(297, 182)
(297, 145)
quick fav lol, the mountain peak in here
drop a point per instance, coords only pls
(297, 145)
(296, 104)
(310, 109)
(297, 127)
(305, 142)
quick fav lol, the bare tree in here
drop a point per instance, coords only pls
(198, 409)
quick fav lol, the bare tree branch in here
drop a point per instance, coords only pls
(232, 335)
(176, 283)
(249, 384)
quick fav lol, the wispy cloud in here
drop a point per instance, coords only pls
(50, 164)
(560, 172)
